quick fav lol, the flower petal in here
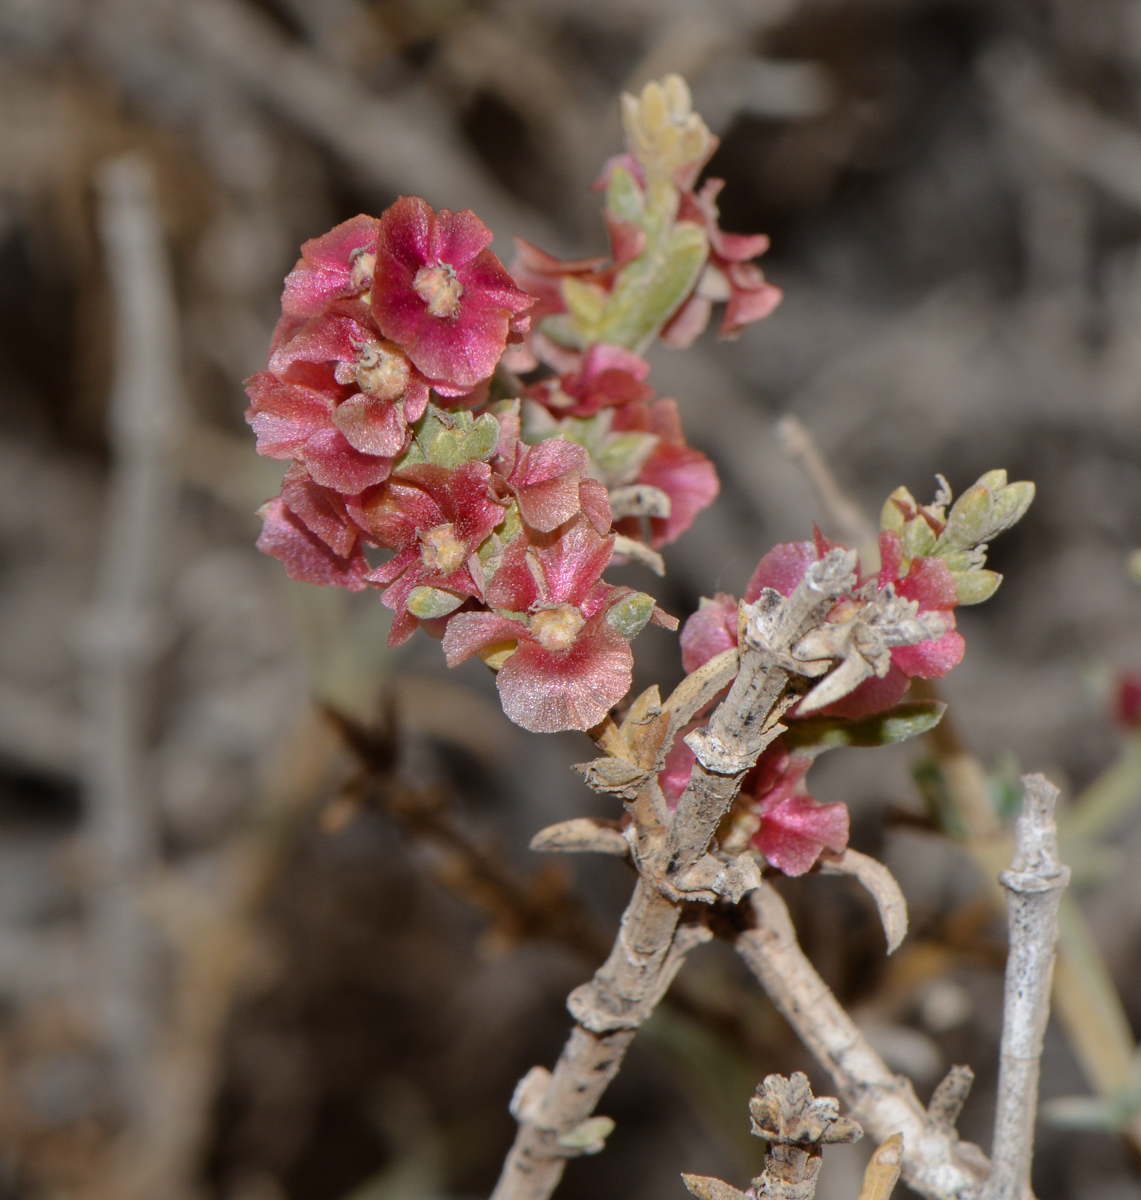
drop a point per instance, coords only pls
(304, 555)
(710, 631)
(782, 569)
(548, 691)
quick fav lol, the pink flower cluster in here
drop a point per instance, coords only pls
(393, 391)
(377, 392)
(793, 828)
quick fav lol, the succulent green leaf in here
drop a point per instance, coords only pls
(587, 305)
(649, 290)
(630, 616)
(448, 439)
(624, 196)
(918, 538)
(620, 457)
(976, 586)
(429, 602)
(906, 720)
(985, 510)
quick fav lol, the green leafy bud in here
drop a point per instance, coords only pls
(448, 439)
(630, 616)
(429, 602)
(589, 1137)
(976, 586)
(620, 457)
(988, 508)
(918, 538)
(893, 514)
(624, 196)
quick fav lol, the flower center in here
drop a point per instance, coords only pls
(440, 289)
(557, 628)
(363, 265)
(381, 372)
(441, 550)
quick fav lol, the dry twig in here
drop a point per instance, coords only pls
(1035, 883)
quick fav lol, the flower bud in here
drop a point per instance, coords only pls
(429, 602)
(631, 615)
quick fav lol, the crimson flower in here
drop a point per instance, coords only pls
(295, 416)
(1127, 701)
(549, 482)
(729, 276)
(336, 264)
(435, 520)
(307, 528)
(605, 377)
(441, 295)
(562, 665)
(391, 392)
(683, 473)
(794, 828)
(928, 581)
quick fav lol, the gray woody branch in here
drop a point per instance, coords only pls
(1035, 883)
(781, 650)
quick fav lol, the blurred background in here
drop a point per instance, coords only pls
(269, 929)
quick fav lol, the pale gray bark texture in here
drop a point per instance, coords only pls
(1034, 883)
(935, 1163)
(121, 636)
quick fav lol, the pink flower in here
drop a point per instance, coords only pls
(541, 275)
(684, 474)
(794, 829)
(710, 631)
(390, 393)
(441, 295)
(337, 264)
(1127, 701)
(549, 482)
(607, 376)
(435, 519)
(730, 276)
(928, 581)
(306, 556)
(296, 417)
(564, 664)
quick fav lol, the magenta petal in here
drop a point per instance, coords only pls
(321, 510)
(595, 502)
(371, 425)
(689, 479)
(469, 632)
(930, 582)
(324, 271)
(710, 631)
(688, 323)
(546, 506)
(931, 660)
(334, 463)
(796, 829)
(457, 237)
(547, 691)
(782, 569)
(872, 696)
(674, 776)
(304, 555)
